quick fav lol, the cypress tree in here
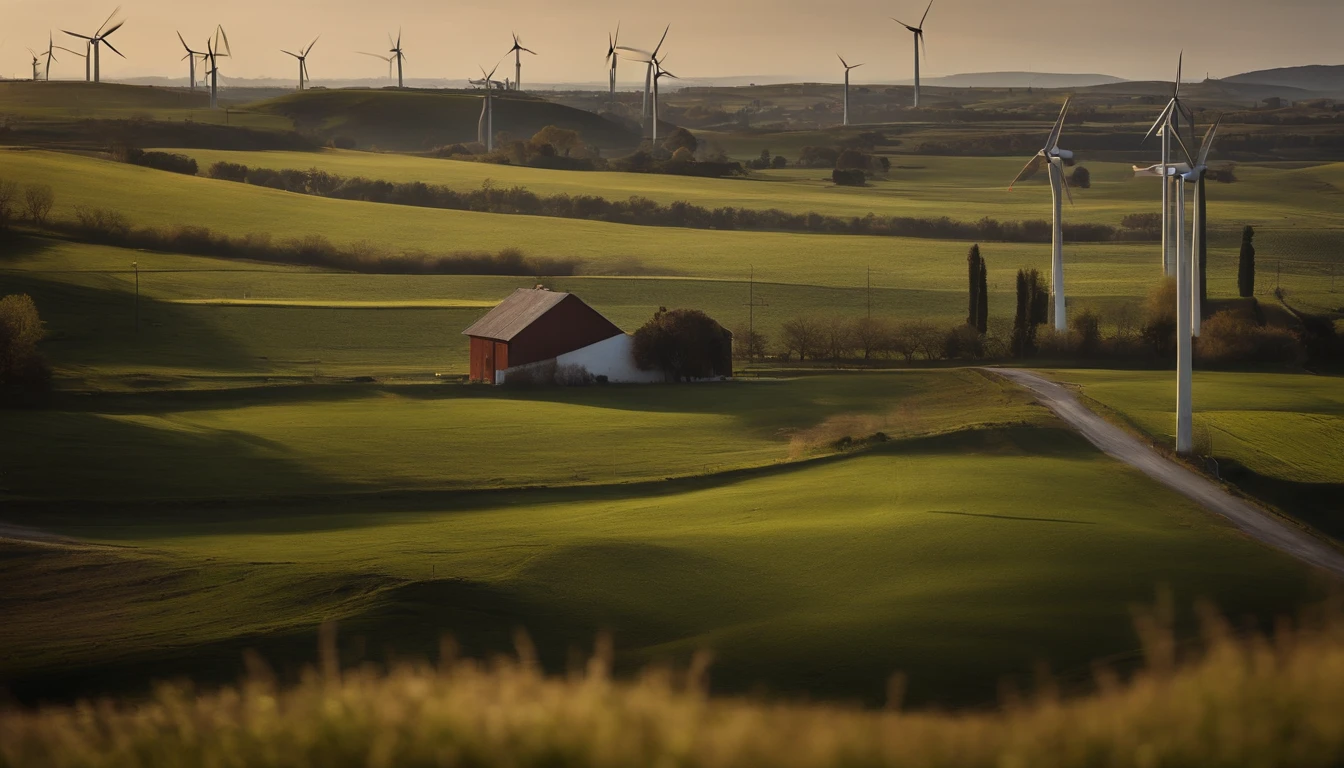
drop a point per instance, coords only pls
(1246, 266)
(982, 312)
(1022, 325)
(1040, 301)
(973, 262)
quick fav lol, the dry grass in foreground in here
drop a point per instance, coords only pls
(1243, 702)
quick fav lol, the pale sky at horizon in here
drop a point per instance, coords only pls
(708, 39)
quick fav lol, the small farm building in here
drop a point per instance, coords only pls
(536, 328)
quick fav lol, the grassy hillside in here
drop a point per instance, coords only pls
(420, 120)
(1280, 437)
(960, 556)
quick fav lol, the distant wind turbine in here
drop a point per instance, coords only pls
(400, 56)
(303, 61)
(37, 65)
(99, 39)
(647, 58)
(612, 58)
(191, 58)
(919, 43)
(517, 50)
(1055, 158)
(215, 48)
(1167, 125)
(847, 67)
(658, 74)
(485, 128)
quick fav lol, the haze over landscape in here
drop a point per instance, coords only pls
(774, 39)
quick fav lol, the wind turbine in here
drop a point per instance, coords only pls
(1199, 242)
(1168, 124)
(191, 57)
(303, 61)
(517, 51)
(99, 39)
(485, 128)
(658, 74)
(1056, 158)
(37, 65)
(847, 69)
(388, 59)
(612, 58)
(919, 42)
(213, 48)
(400, 57)
(646, 57)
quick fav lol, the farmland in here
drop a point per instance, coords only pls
(236, 451)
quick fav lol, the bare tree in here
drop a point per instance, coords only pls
(803, 336)
(872, 336)
(38, 201)
(9, 200)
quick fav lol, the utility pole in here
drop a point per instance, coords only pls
(136, 265)
(752, 304)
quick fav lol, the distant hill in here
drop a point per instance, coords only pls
(1019, 80)
(412, 120)
(1321, 79)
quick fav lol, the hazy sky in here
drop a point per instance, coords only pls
(1127, 38)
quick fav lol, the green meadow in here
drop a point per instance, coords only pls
(966, 549)
(1278, 436)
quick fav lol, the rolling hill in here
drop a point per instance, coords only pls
(1321, 79)
(410, 120)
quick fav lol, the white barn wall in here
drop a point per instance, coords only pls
(613, 358)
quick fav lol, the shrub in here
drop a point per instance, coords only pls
(779, 162)
(343, 142)
(1227, 338)
(963, 342)
(161, 161)
(1159, 328)
(1081, 178)
(849, 178)
(817, 157)
(572, 376)
(38, 200)
(23, 370)
(684, 344)
(750, 344)
(1087, 330)
(228, 171)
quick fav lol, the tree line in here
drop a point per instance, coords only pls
(489, 198)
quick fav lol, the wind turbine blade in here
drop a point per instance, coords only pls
(926, 14)
(221, 34)
(843, 63)
(1161, 119)
(184, 42)
(114, 29)
(114, 50)
(312, 45)
(925, 47)
(398, 38)
(529, 50)
(1207, 146)
(1184, 150)
(1032, 167)
(903, 24)
(661, 41)
(115, 11)
(1180, 65)
(1053, 141)
(76, 34)
(295, 55)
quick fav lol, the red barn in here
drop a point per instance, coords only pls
(530, 326)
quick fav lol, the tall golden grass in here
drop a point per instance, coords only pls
(1242, 701)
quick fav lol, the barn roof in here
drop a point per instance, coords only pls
(515, 313)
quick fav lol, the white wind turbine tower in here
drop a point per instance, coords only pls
(1198, 175)
(647, 58)
(1055, 158)
(919, 42)
(517, 50)
(400, 56)
(612, 58)
(303, 61)
(99, 39)
(658, 74)
(1167, 125)
(191, 57)
(847, 69)
(485, 128)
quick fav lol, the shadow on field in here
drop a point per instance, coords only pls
(1316, 504)
(94, 324)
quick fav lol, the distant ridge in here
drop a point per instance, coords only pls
(1318, 78)
(1021, 80)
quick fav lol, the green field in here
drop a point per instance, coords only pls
(1279, 437)
(961, 551)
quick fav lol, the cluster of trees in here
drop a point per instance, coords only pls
(161, 161)
(552, 147)
(838, 338)
(684, 344)
(29, 201)
(640, 210)
(109, 227)
(23, 370)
